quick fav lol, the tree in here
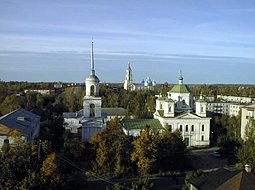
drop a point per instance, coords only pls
(144, 153)
(112, 149)
(246, 153)
(170, 151)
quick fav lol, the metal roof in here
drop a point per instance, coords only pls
(22, 120)
(180, 88)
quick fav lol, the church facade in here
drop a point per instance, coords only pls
(175, 111)
(90, 120)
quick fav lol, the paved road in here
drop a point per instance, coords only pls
(202, 159)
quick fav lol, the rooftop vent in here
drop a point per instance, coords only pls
(21, 118)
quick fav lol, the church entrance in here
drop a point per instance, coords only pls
(186, 141)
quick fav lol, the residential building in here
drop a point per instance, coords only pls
(26, 123)
(218, 107)
(112, 113)
(237, 99)
(247, 116)
(223, 179)
(47, 92)
(176, 112)
(235, 108)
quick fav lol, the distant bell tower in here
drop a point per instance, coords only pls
(92, 102)
(128, 84)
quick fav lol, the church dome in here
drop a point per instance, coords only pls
(92, 78)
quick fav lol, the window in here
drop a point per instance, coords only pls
(92, 110)
(170, 128)
(169, 109)
(192, 127)
(202, 138)
(203, 127)
(160, 106)
(186, 128)
(202, 109)
(92, 90)
(180, 127)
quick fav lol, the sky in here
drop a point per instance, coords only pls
(211, 41)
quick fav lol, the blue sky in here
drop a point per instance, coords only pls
(211, 41)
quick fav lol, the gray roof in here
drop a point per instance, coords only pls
(92, 78)
(114, 111)
(22, 120)
(225, 179)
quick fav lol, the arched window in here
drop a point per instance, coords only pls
(202, 109)
(192, 127)
(187, 128)
(203, 127)
(180, 127)
(92, 110)
(170, 109)
(92, 90)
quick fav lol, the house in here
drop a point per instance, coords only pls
(21, 120)
(112, 113)
(247, 116)
(223, 179)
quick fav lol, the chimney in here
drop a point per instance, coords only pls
(247, 168)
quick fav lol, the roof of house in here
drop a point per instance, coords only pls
(114, 111)
(225, 179)
(180, 88)
(141, 123)
(21, 120)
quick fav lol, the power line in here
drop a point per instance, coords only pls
(84, 170)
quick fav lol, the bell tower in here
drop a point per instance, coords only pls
(92, 102)
(128, 84)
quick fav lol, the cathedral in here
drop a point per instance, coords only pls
(147, 84)
(90, 120)
(175, 111)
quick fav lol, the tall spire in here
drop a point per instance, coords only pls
(92, 60)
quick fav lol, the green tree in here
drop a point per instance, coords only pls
(144, 153)
(246, 153)
(112, 148)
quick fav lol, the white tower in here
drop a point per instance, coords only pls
(128, 84)
(92, 102)
(201, 107)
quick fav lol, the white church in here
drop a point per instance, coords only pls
(90, 120)
(129, 85)
(175, 111)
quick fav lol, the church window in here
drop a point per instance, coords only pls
(170, 109)
(160, 106)
(92, 110)
(202, 138)
(180, 127)
(170, 128)
(202, 109)
(192, 127)
(187, 128)
(203, 127)
(92, 90)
